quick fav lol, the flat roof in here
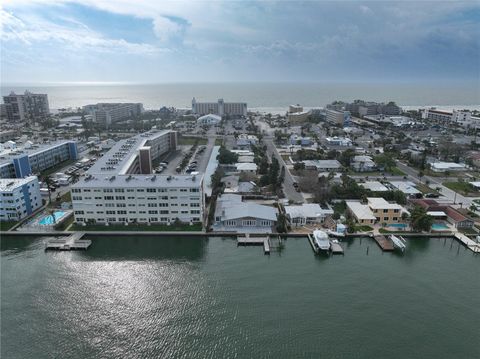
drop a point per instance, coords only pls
(405, 186)
(374, 186)
(139, 181)
(361, 211)
(6, 156)
(381, 203)
(120, 157)
(9, 184)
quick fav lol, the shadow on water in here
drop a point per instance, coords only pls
(17, 244)
(145, 247)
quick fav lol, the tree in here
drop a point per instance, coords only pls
(281, 223)
(419, 219)
(226, 157)
(217, 184)
(298, 166)
(385, 161)
(48, 181)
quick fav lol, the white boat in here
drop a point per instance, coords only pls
(398, 242)
(335, 234)
(321, 240)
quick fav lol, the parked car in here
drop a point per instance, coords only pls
(432, 195)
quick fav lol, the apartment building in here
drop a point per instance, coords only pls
(120, 188)
(337, 117)
(18, 162)
(437, 115)
(220, 108)
(19, 198)
(29, 107)
(106, 114)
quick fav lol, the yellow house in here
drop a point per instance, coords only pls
(384, 212)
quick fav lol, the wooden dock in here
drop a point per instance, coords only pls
(385, 244)
(336, 248)
(469, 243)
(72, 242)
(255, 241)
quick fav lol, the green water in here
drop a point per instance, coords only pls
(206, 298)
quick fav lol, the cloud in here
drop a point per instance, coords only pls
(324, 38)
(33, 30)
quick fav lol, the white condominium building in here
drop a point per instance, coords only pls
(120, 188)
(220, 108)
(108, 113)
(19, 198)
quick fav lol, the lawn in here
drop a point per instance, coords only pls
(218, 141)
(185, 141)
(5, 226)
(138, 227)
(363, 228)
(463, 188)
(422, 187)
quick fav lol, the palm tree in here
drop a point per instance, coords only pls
(49, 182)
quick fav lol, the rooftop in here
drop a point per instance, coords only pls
(140, 181)
(361, 211)
(9, 184)
(381, 203)
(374, 186)
(7, 155)
(310, 210)
(119, 158)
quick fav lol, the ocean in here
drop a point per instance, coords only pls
(266, 97)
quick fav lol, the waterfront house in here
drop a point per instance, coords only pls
(307, 213)
(232, 214)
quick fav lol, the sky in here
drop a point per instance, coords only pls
(147, 41)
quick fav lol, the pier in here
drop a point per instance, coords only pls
(255, 241)
(72, 242)
(385, 244)
(469, 243)
(336, 248)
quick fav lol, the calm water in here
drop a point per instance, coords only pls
(198, 298)
(264, 96)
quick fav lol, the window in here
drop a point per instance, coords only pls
(108, 198)
(130, 190)
(152, 212)
(152, 205)
(79, 212)
(184, 212)
(395, 218)
(110, 212)
(120, 198)
(183, 190)
(163, 212)
(74, 190)
(107, 190)
(194, 190)
(195, 211)
(385, 211)
(121, 190)
(164, 198)
(140, 190)
(121, 205)
(152, 198)
(109, 204)
(122, 212)
(151, 190)
(385, 218)
(194, 204)
(249, 222)
(76, 198)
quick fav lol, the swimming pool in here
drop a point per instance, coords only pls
(398, 225)
(439, 227)
(48, 220)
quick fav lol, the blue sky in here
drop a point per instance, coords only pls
(217, 41)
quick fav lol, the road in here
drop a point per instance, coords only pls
(288, 188)
(451, 196)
